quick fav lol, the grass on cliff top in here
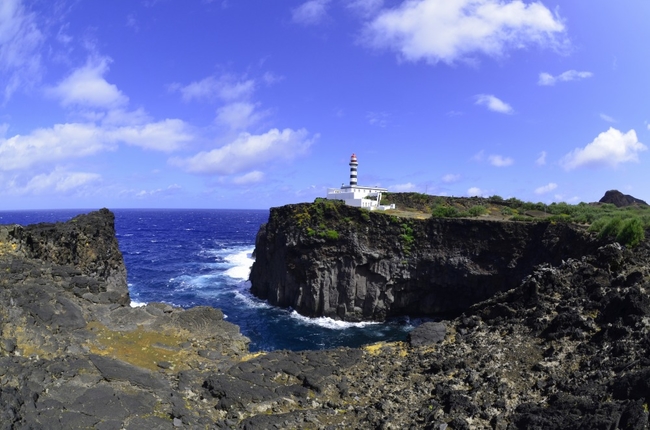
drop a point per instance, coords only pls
(626, 225)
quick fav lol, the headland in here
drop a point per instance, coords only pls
(563, 344)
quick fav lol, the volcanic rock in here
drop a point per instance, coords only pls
(619, 199)
(327, 259)
(565, 346)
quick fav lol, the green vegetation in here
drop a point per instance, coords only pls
(331, 235)
(629, 231)
(440, 211)
(321, 218)
(477, 210)
(407, 237)
(448, 211)
(626, 225)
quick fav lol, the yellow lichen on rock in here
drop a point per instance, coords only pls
(142, 348)
(379, 347)
(252, 355)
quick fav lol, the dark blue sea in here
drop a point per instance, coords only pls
(202, 257)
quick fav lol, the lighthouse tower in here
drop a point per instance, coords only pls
(353, 170)
(357, 195)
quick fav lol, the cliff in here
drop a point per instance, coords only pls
(74, 354)
(327, 259)
(566, 348)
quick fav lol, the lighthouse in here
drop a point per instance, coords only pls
(353, 170)
(356, 195)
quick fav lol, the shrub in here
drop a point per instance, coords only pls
(407, 233)
(444, 212)
(611, 228)
(560, 218)
(514, 202)
(477, 210)
(407, 237)
(332, 235)
(561, 209)
(522, 218)
(631, 232)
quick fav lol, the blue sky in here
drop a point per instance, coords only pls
(254, 104)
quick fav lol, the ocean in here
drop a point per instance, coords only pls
(202, 258)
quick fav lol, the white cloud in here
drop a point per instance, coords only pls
(365, 7)
(159, 192)
(20, 41)
(547, 79)
(167, 135)
(500, 161)
(450, 178)
(400, 188)
(118, 117)
(380, 119)
(57, 181)
(546, 188)
(249, 178)
(311, 12)
(541, 160)
(475, 191)
(449, 30)
(493, 103)
(225, 87)
(48, 145)
(87, 87)
(77, 140)
(607, 118)
(271, 78)
(609, 148)
(248, 151)
(239, 115)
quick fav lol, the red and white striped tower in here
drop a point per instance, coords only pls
(353, 170)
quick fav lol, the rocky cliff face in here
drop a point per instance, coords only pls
(88, 243)
(566, 348)
(74, 354)
(326, 259)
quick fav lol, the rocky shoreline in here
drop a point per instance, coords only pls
(566, 346)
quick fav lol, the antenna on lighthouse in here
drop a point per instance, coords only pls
(353, 170)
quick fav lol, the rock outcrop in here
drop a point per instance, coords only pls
(566, 348)
(327, 259)
(74, 354)
(620, 200)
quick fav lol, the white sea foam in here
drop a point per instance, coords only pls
(251, 302)
(136, 304)
(194, 282)
(242, 262)
(330, 323)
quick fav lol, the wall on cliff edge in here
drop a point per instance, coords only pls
(327, 259)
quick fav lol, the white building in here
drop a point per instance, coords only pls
(356, 195)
